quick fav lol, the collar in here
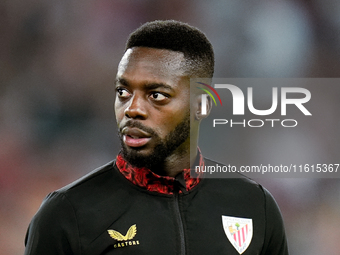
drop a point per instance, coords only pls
(145, 178)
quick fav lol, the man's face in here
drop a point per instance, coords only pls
(152, 105)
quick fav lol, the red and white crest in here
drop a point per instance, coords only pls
(239, 231)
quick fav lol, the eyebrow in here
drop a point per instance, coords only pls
(122, 81)
(147, 85)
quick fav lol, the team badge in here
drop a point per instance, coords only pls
(239, 231)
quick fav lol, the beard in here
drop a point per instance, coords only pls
(164, 147)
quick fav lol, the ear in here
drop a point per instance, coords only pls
(204, 103)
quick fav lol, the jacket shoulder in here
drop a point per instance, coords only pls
(96, 174)
(219, 171)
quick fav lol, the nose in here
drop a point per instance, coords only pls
(136, 109)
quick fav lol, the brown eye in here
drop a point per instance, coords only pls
(123, 93)
(158, 96)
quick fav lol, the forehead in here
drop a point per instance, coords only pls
(152, 65)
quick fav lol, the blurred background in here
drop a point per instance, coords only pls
(58, 61)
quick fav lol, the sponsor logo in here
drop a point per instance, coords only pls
(124, 240)
(239, 232)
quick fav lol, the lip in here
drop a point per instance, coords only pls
(135, 137)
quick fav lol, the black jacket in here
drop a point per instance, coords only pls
(104, 213)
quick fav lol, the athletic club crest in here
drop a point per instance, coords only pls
(239, 231)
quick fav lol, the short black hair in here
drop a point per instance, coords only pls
(177, 36)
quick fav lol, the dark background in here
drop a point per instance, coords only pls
(58, 62)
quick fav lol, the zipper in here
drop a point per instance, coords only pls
(180, 224)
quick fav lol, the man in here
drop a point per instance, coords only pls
(145, 202)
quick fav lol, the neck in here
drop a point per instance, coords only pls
(181, 159)
(175, 164)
